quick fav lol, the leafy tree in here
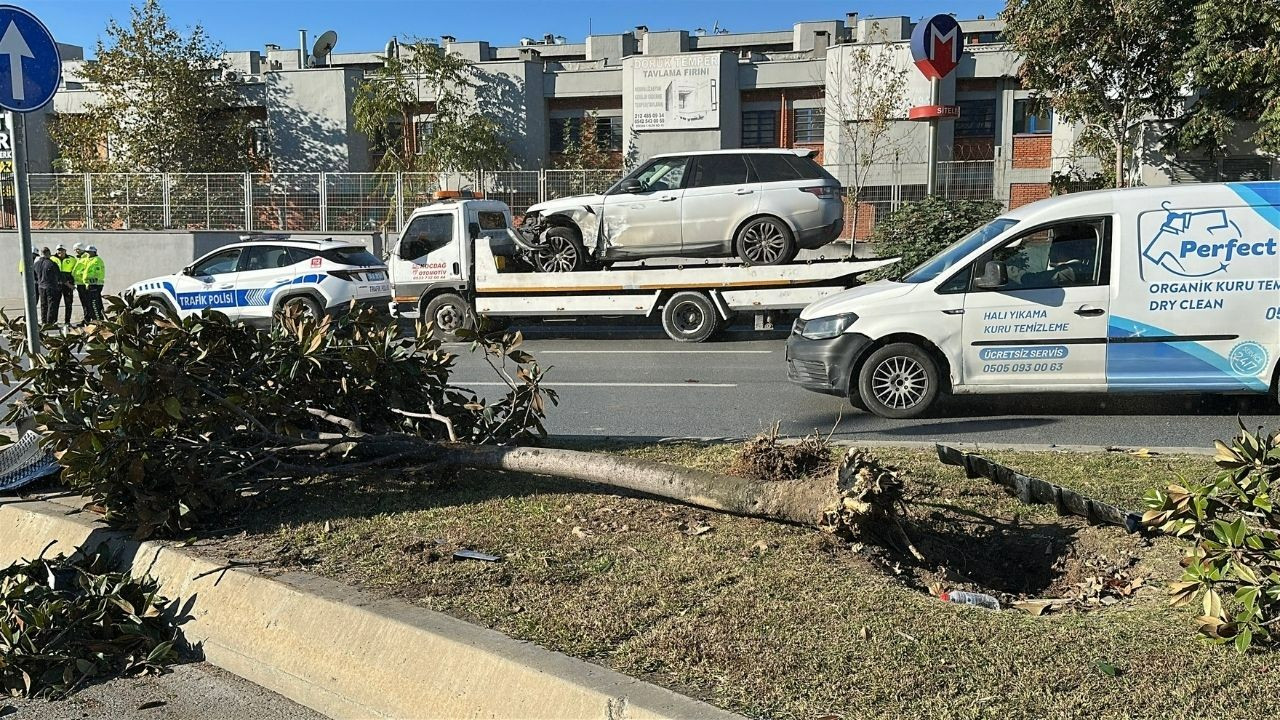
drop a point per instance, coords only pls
(1234, 64)
(423, 79)
(917, 231)
(1233, 562)
(163, 104)
(1108, 65)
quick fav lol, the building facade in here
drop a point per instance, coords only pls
(657, 91)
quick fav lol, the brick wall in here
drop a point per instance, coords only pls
(1032, 151)
(866, 221)
(1023, 193)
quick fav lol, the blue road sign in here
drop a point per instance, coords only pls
(30, 67)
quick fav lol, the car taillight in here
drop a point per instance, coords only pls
(350, 275)
(825, 192)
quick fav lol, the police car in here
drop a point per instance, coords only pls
(256, 281)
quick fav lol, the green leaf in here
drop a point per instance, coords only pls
(173, 407)
(1107, 668)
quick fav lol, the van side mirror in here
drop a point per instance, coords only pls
(994, 275)
(473, 230)
(630, 186)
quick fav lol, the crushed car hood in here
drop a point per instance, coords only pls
(575, 202)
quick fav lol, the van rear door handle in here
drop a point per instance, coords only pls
(1089, 311)
(743, 191)
(667, 198)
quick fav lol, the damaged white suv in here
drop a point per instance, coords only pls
(762, 205)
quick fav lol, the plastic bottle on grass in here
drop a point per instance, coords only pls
(981, 600)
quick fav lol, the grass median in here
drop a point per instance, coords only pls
(772, 620)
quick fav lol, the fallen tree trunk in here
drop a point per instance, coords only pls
(797, 501)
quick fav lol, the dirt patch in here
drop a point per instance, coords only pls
(765, 457)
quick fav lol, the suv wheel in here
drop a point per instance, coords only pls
(561, 250)
(898, 381)
(448, 314)
(301, 304)
(765, 241)
(690, 317)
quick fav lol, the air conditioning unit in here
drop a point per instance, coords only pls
(230, 76)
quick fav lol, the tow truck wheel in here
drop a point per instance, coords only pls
(561, 251)
(765, 241)
(690, 317)
(898, 381)
(448, 314)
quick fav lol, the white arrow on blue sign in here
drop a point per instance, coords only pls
(30, 67)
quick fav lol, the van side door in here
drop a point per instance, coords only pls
(1046, 326)
(1201, 305)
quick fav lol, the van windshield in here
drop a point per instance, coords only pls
(953, 253)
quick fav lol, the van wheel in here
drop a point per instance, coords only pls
(765, 241)
(898, 381)
(690, 317)
(560, 250)
(448, 313)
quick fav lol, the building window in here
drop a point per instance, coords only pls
(760, 128)
(609, 133)
(977, 118)
(809, 122)
(1027, 122)
(565, 132)
(422, 128)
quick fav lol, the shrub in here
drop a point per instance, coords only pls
(164, 421)
(69, 620)
(1233, 563)
(917, 231)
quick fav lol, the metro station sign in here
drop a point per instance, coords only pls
(936, 46)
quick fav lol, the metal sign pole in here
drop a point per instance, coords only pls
(935, 97)
(22, 213)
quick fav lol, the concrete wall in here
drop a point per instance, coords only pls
(311, 123)
(132, 256)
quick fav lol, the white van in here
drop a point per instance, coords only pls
(1169, 289)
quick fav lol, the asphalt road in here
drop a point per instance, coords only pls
(191, 690)
(633, 382)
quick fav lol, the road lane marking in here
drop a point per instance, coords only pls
(655, 352)
(463, 383)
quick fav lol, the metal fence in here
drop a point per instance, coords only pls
(368, 202)
(299, 202)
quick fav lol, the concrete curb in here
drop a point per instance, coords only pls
(344, 653)
(968, 446)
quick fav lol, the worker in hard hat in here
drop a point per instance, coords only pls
(66, 265)
(94, 274)
(82, 287)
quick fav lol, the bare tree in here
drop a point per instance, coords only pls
(870, 83)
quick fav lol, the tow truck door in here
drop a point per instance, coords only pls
(429, 253)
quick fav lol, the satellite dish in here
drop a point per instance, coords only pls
(324, 45)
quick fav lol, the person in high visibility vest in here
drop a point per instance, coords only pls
(82, 287)
(67, 265)
(95, 274)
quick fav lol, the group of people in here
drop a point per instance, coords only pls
(58, 274)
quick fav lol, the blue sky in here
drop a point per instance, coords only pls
(366, 25)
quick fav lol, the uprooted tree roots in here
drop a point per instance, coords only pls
(767, 457)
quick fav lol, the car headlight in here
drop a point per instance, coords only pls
(825, 327)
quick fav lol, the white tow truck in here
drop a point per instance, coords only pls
(458, 259)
